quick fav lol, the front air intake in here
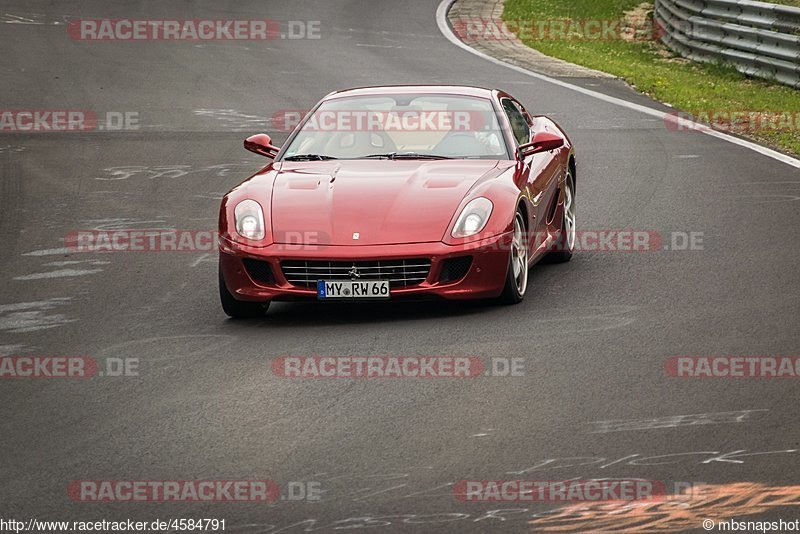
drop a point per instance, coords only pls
(455, 269)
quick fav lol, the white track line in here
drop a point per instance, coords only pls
(444, 27)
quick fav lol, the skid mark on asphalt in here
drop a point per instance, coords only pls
(230, 46)
(680, 511)
(60, 273)
(49, 252)
(205, 258)
(35, 19)
(8, 18)
(673, 421)
(237, 120)
(769, 183)
(74, 262)
(380, 46)
(777, 199)
(385, 34)
(713, 457)
(576, 321)
(780, 198)
(125, 224)
(770, 198)
(674, 513)
(421, 485)
(125, 172)
(23, 317)
(68, 272)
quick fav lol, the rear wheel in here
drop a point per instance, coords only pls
(517, 274)
(566, 241)
(239, 309)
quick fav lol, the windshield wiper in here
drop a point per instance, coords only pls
(404, 155)
(308, 157)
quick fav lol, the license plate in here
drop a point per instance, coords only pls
(347, 289)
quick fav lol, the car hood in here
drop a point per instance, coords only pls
(363, 202)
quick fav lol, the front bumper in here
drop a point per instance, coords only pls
(485, 278)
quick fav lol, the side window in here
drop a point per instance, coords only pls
(519, 126)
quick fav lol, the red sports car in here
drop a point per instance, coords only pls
(400, 192)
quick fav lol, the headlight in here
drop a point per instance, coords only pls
(249, 220)
(473, 218)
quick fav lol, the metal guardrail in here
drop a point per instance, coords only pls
(757, 38)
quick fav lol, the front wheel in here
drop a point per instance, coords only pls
(562, 251)
(239, 309)
(517, 274)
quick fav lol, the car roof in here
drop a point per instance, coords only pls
(460, 90)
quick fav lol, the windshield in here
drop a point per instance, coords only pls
(407, 126)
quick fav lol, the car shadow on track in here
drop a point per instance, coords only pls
(334, 313)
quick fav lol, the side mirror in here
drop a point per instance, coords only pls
(542, 142)
(261, 144)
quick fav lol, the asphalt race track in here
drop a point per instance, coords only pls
(594, 333)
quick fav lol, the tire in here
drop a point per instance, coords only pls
(517, 272)
(565, 246)
(239, 309)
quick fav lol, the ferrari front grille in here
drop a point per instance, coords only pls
(400, 273)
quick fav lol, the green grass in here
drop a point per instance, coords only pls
(653, 70)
